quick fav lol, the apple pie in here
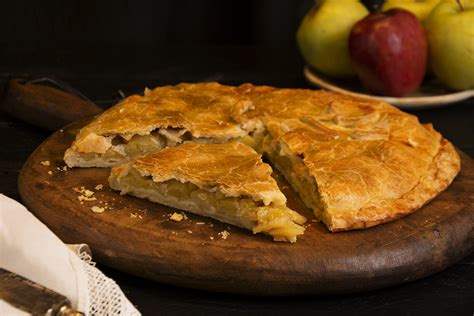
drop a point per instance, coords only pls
(228, 182)
(355, 162)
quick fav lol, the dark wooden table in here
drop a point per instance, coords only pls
(100, 74)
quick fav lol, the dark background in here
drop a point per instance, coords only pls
(101, 47)
(145, 24)
(150, 42)
(129, 44)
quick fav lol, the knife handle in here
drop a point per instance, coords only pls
(33, 298)
(45, 106)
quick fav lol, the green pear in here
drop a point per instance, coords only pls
(324, 33)
(420, 8)
(450, 33)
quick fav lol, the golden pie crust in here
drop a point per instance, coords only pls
(165, 116)
(355, 162)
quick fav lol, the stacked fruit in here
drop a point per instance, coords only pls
(391, 49)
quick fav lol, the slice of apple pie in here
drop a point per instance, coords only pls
(228, 182)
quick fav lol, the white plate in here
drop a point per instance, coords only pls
(430, 95)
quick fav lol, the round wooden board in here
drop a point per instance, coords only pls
(136, 236)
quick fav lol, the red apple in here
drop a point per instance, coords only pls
(388, 52)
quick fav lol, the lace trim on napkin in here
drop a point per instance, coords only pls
(106, 297)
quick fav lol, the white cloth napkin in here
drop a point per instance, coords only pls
(28, 248)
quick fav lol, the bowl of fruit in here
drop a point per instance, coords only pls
(410, 53)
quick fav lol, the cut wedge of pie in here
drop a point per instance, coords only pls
(228, 182)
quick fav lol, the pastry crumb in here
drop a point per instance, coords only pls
(88, 193)
(97, 209)
(224, 234)
(46, 163)
(211, 238)
(78, 190)
(200, 223)
(99, 187)
(85, 198)
(176, 217)
(189, 231)
(136, 215)
(65, 168)
(50, 172)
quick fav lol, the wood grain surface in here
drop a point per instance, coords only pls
(137, 236)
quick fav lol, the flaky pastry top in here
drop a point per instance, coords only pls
(231, 168)
(207, 110)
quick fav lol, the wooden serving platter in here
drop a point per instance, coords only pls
(138, 237)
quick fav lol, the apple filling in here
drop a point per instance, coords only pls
(108, 151)
(297, 174)
(119, 150)
(137, 145)
(254, 139)
(282, 223)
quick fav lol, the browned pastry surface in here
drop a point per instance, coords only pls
(233, 168)
(205, 110)
(169, 114)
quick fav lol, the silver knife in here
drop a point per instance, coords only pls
(32, 297)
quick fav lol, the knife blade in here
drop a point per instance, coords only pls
(33, 298)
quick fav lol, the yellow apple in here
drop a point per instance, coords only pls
(420, 8)
(324, 32)
(450, 33)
